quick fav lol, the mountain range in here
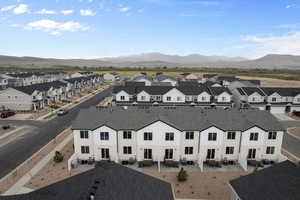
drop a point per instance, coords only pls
(271, 61)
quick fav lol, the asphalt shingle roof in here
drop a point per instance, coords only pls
(107, 181)
(29, 89)
(251, 90)
(282, 91)
(279, 182)
(219, 90)
(182, 118)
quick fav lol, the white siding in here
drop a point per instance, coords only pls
(176, 96)
(143, 96)
(124, 94)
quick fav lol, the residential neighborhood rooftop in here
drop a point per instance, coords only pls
(278, 182)
(181, 118)
(107, 181)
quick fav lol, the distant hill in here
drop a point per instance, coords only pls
(272, 61)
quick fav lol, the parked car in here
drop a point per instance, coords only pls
(7, 114)
(61, 112)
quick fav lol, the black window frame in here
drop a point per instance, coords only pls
(253, 136)
(272, 135)
(127, 150)
(188, 150)
(231, 135)
(104, 136)
(229, 150)
(128, 135)
(148, 136)
(270, 150)
(189, 135)
(84, 134)
(212, 136)
(85, 149)
(169, 136)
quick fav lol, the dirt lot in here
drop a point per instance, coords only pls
(206, 185)
(270, 82)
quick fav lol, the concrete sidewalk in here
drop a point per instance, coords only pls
(18, 188)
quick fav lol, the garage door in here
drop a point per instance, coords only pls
(277, 110)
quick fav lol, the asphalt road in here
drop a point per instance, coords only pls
(17, 151)
(290, 143)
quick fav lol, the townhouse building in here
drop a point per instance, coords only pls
(37, 96)
(275, 100)
(3, 83)
(175, 134)
(192, 94)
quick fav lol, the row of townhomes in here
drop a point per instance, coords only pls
(175, 134)
(275, 100)
(30, 78)
(185, 94)
(37, 96)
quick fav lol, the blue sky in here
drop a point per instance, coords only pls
(96, 28)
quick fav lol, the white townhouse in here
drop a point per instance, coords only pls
(188, 94)
(144, 79)
(166, 79)
(176, 134)
(275, 100)
(112, 76)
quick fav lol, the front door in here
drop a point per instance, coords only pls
(105, 154)
(168, 153)
(251, 153)
(210, 154)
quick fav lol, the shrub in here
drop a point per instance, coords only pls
(66, 101)
(54, 106)
(182, 175)
(58, 157)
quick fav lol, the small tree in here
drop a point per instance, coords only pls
(182, 175)
(58, 157)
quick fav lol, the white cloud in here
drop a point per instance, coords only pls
(124, 9)
(87, 12)
(7, 8)
(67, 12)
(55, 28)
(46, 12)
(20, 9)
(283, 44)
(290, 26)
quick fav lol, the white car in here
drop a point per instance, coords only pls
(61, 112)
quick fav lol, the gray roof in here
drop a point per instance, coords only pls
(251, 90)
(278, 182)
(162, 77)
(142, 77)
(42, 87)
(282, 91)
(182, 118)
(107, 181)
(219, 90)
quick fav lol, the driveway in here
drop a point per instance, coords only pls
(290, 143)
(17, 151)
(283, 117)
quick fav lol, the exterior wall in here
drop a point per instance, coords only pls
(174, 94)
(235, 143)
(189, 143)
(78, 142)
(145, 95)
(296, 99)
(158, 143)
(110, 144)
(109, 77)
(227, 97)
(147, 82)
(275, 95)
(255, 98)
(205, 144)
(191, 77)
(14, 100)
(204, 94)
(127, 142)
(122, 93)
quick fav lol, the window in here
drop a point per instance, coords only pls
(178, 98)
(127, 135)
(189, 135)
(143, 98)
(270, 150)
(127, 150)
(169, 154)
(272, 135)
(212, 136)
(188, 150)
(251, 153)
(122, 98)
(253, 99)
(168, 98)
(231, 135)
(147, 153)
(105, 153)
(203, 98)
(147, 136)
(229, 150)
(274, 99)
(298, 99)
(84, 134)
(210, 154)
(253, 136)
(223, 98)
(104, 136)
(85, 149)
(169, 136)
